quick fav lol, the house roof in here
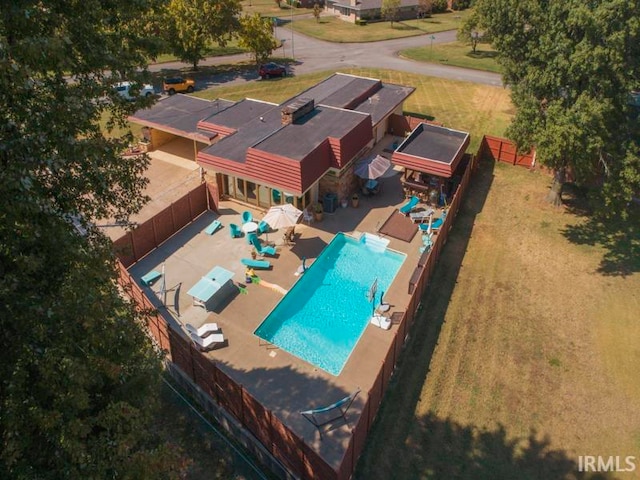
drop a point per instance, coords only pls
(372, 4)
(237, 114)
(432, 149)
(179, 114)
(385, 100)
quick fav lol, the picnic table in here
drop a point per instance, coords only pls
(210, 284)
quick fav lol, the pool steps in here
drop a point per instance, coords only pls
(374, 242)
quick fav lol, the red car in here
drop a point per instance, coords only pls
(269, 70)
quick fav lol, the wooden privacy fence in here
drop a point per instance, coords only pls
(280, 441)
(147, 236)
(504, 150)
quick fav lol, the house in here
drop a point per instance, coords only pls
(264, 153)
(352, 10)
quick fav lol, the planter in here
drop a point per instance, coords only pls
(354, 201)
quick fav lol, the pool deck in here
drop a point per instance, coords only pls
(280, 381)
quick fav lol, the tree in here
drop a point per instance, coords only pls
(469, 32)
(256, 35)
(424, 8)
(78, 376)
(390, 10)
(571, 66)
(316, 11)
(192, 25)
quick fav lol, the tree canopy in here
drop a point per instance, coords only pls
(192, 25)
(390, 10)
(571, 66)
(78, 375)
(256, 35)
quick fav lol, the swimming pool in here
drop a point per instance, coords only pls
(323, 316)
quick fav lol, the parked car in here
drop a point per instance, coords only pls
(269, 70)
(178, 84)
(126, 91)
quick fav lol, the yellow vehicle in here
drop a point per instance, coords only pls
(178, 85)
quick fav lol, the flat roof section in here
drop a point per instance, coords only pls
(435, 143)
(239, 113)
(384, 101)
(346, 96)
(234, 147)
(300, 138)
(179, 114)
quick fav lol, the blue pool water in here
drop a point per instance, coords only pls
(322, 317)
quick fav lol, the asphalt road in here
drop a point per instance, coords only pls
(313, 55)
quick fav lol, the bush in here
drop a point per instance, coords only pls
(439, 6)
(460, 4)
(361, 21)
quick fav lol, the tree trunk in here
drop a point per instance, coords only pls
(555, 193)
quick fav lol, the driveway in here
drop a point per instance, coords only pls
(313, 55)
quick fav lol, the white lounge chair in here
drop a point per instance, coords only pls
(207, 342)
(203, 330)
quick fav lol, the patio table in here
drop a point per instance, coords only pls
(250, 227)
(209, 285)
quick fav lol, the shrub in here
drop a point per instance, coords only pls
(361, 21)
(439, 6)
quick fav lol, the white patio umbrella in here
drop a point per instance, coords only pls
(372, 168)
(282, 216)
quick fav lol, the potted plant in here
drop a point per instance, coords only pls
(317, 212)
(354, 200)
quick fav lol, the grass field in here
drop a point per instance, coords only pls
(477, 109)
(525, 355)
(333, 29)
(456, 54)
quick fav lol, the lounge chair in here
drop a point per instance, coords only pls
(410, 205)
(263, 227)
(207, 342)
(213, 227)
(203, 330)
(262, 251)
(247, 217)
(435, 225)
(234, 230)
(249, 262)
(150, 277)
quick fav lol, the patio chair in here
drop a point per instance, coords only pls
(262, 251)
(307, 216)
(250, 237)
(247, 217)
(410, 205)
(207, 342)
(213, 227)
(204, 330)
(435, 225)
(263, 227)
(234, 230)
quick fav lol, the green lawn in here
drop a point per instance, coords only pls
(525, 354)
(333, 29)
(213, 51)
(477, 109)
(456, 54)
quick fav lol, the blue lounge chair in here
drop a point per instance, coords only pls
(435, 225)
(262, 251)
(247, 217)
(256, 263)
(263, 227)
(150, 277)
(234, 230)
(213, 227)
(410, 205)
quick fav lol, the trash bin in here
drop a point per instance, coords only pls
(330, 202)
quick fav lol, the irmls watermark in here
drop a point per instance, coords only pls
(600, 463)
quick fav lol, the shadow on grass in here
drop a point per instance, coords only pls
(421, 115)
(619, 239)
(429, 447)
(403, 26)
(480, 54)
